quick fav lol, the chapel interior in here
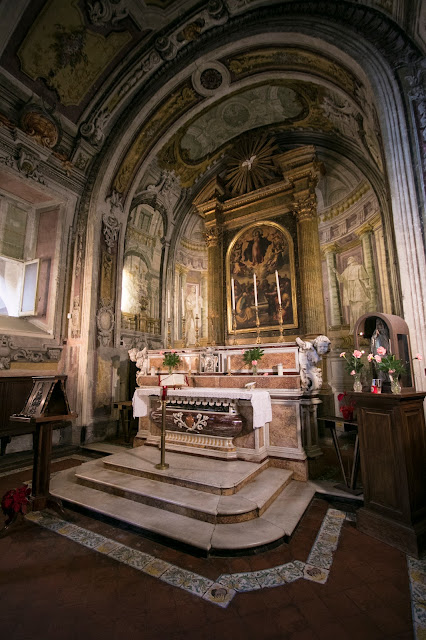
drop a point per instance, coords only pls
(202, 180)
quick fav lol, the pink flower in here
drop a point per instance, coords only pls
(391, 371)
(173, 351)
(342, 355)
(370, 357)
(254, 363)
(266, 374)
(381, 351)
(378, 358)
(418, 356)
(161, 353)
(353, 372)
(357, 353)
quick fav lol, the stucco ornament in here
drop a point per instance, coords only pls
(111, 225)
(104, 12)
(310, 354)
(94, 129)
(105, 322)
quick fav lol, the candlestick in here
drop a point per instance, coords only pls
(213, 332)
(197, 342)
(255, 290)
(183, 304)
(234, 325)
(257, 325)
(168, 304)
(233, 293)
(278, 288)
(280, 320)
(169, 334)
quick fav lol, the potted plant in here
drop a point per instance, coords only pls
(15, 501)
(171, 360)
(347, 407)
(252, 358)
(354, 365)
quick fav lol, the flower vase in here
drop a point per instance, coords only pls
(254, 370)
(395, 385)
(357, 383)
(170, 371)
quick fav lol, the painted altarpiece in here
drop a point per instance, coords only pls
(262, 249)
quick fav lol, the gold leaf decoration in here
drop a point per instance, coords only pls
(251, 165)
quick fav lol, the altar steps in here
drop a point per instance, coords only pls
(266, 508)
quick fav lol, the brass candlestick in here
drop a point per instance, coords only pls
(280, 319)
(257, 325)
(162, 464)
(183, 331)
(169, 334)
(213, 332)
(197, 342)
(234, 326)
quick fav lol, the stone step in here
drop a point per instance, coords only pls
(250, 502)
(221, 477)
(277, 523)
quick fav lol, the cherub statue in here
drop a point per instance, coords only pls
(309, 356)
(141, 359)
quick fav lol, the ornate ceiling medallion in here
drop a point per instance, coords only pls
(251, 165)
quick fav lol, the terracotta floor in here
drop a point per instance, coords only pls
(54, 588)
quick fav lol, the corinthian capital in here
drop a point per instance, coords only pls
(305, 207)
(213, 235)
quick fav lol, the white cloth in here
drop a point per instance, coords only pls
(260, 400)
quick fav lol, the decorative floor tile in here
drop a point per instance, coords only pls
(315, 574)
(269, 578)
(82, 536)
(107, 546)
(291, 571)
(156, 567)
(239, 581)
(132, 557)
(219, 594)
(186, 580)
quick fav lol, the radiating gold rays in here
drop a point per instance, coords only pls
(251, 165)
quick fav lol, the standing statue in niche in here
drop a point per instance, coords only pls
(379, 338)
(192, 308)
(310, 353)
(356, 289)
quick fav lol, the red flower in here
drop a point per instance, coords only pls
(15, 501)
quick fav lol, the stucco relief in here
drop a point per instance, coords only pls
(12, 352)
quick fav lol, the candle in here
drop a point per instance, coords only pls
(229, 363)
(168, 304)
(233, 293)
(278, 287)
(183, 305)
(255, 290)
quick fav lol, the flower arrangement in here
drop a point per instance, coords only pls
(346, 407)
(387, 363)
(353, 363)
(171, 360)
(15, 501)
(252, 357)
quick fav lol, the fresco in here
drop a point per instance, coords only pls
(260, 255)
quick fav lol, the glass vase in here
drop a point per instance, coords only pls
(254, 370)
(357, 383)
(395, 385)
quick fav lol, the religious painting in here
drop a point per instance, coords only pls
(260, 277)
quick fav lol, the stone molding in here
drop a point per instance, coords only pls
(11, 352)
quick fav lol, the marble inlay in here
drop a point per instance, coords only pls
(417, 576)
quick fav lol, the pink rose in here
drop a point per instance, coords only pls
(266, 374)
(342, 355)
(357, 353)
(381, 351)
(378, 358)
(353, 372)
(370, 357)
(254, 363)
(418, 356)
(391, 370)
(173, 351)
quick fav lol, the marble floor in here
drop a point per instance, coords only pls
(81, 577)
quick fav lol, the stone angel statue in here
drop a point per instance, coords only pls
(310, 353)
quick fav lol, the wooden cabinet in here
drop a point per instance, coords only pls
(392, 439)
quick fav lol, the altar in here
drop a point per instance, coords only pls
(216, 415)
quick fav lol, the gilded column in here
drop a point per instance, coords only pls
(365, 233)
(310, 264)
(334, 290)
(214, 241)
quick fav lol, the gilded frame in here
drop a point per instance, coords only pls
(249, 253)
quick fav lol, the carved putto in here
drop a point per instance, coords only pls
(310, 354)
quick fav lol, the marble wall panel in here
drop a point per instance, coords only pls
(283, 428)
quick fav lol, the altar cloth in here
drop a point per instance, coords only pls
(259, 398)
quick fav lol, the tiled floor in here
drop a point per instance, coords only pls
(332, 582)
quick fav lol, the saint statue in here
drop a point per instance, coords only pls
(356, 289)
(193, 304)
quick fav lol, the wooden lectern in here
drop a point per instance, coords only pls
(392, 439)
(47, 404)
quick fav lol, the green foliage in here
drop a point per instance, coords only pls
(253, 354)
(391, 365)
(171, 359)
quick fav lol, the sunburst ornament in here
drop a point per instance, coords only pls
(251, 165)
